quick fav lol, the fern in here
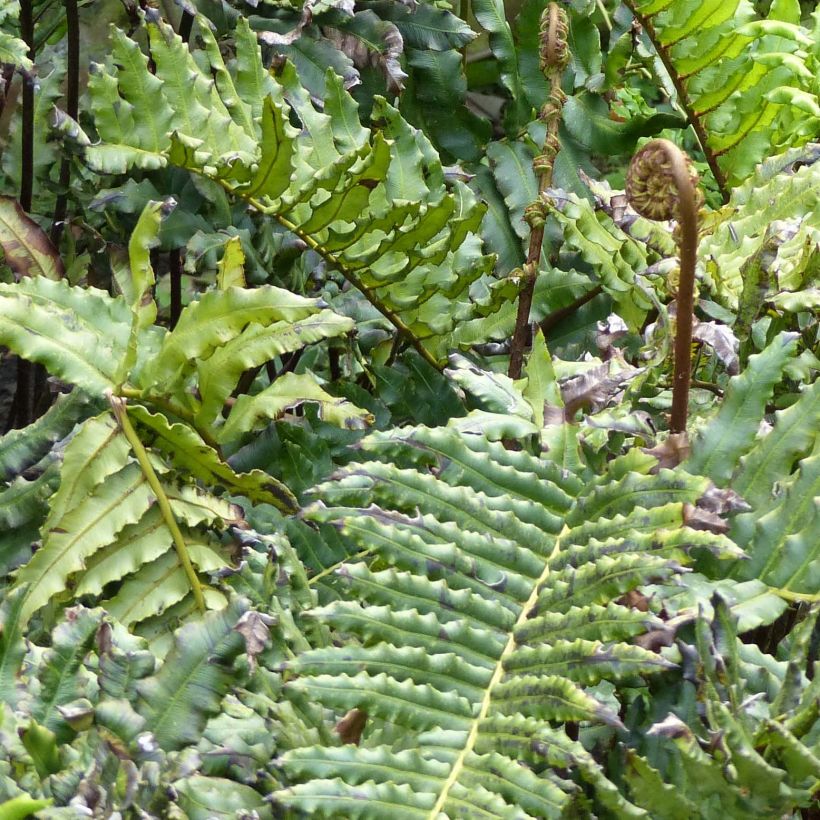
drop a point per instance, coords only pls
(411, 250)
(776, 474)
(119, 508)
(766, 764)
(485, 618)
(96, 719)
(748, 86)
(775, 211)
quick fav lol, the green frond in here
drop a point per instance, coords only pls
(103, 524)
(615, 256)
(775, 212)
(288, 391)
(748, 85)
(219, 373)
(760, 768)
(783, 538)
(792, 436)
(334, 798)
(12, 648)
(79, 334)
(14, 51)
(61, 674)
(20, 449)
(412, 249)
(215, 319)
(497, 614)
(730, 435)
(191, 454)
(196, 674)
(23, 508)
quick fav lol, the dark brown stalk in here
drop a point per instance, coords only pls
(661, 185)
(175, 274)
(27, 152)
(554, 58)
(686, 294)
(72, 96)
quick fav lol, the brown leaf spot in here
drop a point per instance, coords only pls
(351, 726)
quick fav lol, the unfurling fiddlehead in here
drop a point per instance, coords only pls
(662, 184)
(554, 59)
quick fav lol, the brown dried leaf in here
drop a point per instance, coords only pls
(656, 639)
(635, 599)
(597, 387)
(699, 519)
(721, 339)
(351, 726)
(254, 627)
(670, 452)
(370, 41)
(722, 501)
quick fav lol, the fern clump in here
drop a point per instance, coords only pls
(411, 249)
(748, 85)
(488, 612)
(128, 505)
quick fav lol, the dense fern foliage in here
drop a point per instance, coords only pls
(410, 249)
(494, 619)
(749, 83)
(410, 410)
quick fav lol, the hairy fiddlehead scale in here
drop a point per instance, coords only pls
(651, 185)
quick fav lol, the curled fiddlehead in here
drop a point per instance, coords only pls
(662, 184)
(554, 55)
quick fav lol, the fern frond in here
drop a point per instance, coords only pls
(79, 334)
(103, 526)
(21, 449)
(496, 615)
(761, 769)
(716, 452)
(193, 679)
(776, 213)
(412, 248)
(614, 255)
(747, 85)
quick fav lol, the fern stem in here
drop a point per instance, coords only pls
(118, 405)
(498, 673)
(27, 128)
(554, 58)
(662, 185)
(22, 409)
(348, 274)
(558, 316)
(683, 99)
(795, 597)
(175, 274)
